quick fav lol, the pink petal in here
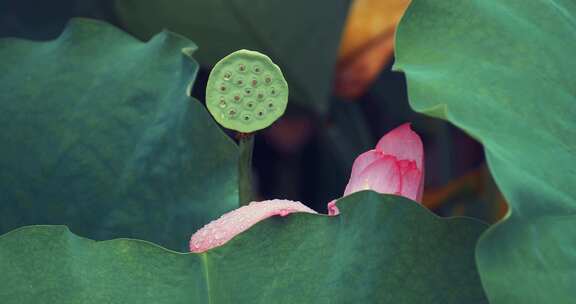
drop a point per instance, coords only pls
(406, 165)
(332, 208)
(404, 144)
(411, 181)
(220, 231)
(382, 176)
(364, 160)
(420, 188)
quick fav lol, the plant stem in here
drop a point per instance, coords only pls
(245, 191)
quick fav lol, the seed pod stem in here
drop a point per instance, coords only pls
(245, 181)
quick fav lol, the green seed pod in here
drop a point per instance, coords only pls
(246, 91)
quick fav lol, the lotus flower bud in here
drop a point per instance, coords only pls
(395, 166)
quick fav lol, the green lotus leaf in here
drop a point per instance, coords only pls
(97, 132)
(381, 249)
(503, 72)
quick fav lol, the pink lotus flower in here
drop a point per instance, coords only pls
(395, 166)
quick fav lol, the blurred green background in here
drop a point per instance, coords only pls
(337, 57)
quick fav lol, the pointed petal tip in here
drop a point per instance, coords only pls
(364, 160)
(403, 143)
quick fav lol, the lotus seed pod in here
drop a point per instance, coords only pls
(246, 91)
